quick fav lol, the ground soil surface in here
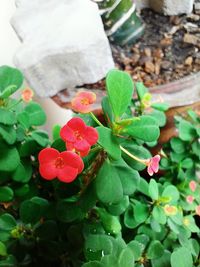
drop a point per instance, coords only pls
(168, 50)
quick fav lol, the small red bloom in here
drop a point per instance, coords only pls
(193, 185)
(78, 136)
(65, 165)
(153, 165)
(27, 95)
(189, 199)
(82, 101)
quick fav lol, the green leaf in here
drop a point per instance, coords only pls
(8, 133)
(99, 243)
(141, 90)
(126, 258)
(23, 172)
(141, 212)
(160, 117)
(7, 117)
(160, 106)
(159, 215)
(28, 147)
(108, 184)
(181, 258)
(6, 194)
(110, 223)
(120, 91)
(23, 119)
(153, 189)
(41, 137)
(3, 250)
(10, 77)
(30, 212)
(136, 248)
(107, 110)
(129, 177)
(187, 163)
(144, 128)
(109, 261)
(7, 222)
(155, 250)
(186, 131)
(21, 191)
(9, 158)
(177, 145)
(56, 132)
(109, 143)
(118, 209)
(129, 219)
(140, 151)
(36, 114)
(68, 212)
(163, 261)
(172, 193)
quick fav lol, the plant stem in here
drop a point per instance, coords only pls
(95, 119)
(143, 161)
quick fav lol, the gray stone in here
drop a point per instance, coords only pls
(172, 7)
(140, 4)
(64, 44)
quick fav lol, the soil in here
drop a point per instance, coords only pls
(168, 50)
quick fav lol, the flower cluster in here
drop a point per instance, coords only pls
(68, 164)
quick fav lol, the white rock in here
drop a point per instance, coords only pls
(64, 44)
(140, 4)
(172, 7)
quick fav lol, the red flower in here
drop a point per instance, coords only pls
(27, 95)
(65, 165)
(82, 101)
(78, 136)
(189, 199)
(153, 165)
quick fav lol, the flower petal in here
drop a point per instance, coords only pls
(67, 134)
(77, 124)
(87, 94)
(91, 135)
(79, 106)
(48, 171)
(48, 155)
(67, 174)
(81, 145)
(150, 170)
(73, 160)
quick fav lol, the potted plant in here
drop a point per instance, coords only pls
(96, 197)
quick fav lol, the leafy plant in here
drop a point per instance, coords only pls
(91, 199)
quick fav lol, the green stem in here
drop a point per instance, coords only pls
(143, 161)
(95, 119)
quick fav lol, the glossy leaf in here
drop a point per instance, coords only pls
(120, 91)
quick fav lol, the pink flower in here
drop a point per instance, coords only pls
(27, 95)
(189, 199)
(193, 185)
(78, 136)
(65, 165)
(197, 210)
(153, 165)
(82, 101)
